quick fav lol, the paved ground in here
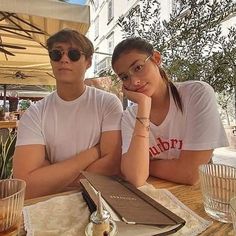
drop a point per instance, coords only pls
(225, 156)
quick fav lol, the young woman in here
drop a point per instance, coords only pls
(171, 129)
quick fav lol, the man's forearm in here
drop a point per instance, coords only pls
(110, 149)
(54, 178)
(105, 165)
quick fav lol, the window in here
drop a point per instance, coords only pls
(110, 43)
(96, 27)
(95, 61)
(110, 10)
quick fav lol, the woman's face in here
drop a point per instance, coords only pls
(138, 71)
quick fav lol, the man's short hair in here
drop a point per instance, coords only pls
(71, 36)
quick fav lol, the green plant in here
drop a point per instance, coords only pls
(6, 154)
(24, 104)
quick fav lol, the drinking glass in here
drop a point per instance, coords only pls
(233, 212)
(12, 193)
(218, 186)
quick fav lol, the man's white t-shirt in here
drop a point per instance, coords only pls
(67, 128)
(199, 127)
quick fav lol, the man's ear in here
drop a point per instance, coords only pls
(89, 62)
(157, 57)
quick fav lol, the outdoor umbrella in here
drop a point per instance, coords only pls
(25, 26)
(25, 77)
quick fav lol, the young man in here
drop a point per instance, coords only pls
(75, 128)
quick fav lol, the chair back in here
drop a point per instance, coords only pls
(4, 134)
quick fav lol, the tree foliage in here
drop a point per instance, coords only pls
(191, 42)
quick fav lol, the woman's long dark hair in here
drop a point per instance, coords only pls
(142, 45)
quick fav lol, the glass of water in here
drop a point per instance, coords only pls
(218, 186)
(12, 193)
(233, 212)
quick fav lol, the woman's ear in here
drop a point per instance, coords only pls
(157, 57)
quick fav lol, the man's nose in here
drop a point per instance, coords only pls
(65, 57)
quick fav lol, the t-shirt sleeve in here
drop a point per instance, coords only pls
(204, 129)
(29, 129)
(112, 113)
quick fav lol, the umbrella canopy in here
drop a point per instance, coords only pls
(25, 26)
(26, 77)
(13, 79)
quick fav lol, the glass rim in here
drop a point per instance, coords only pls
(18, 192)
(201, 170)
(232, 208)
(233, 199)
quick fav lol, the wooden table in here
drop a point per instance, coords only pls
(10, 124)
(189, 195)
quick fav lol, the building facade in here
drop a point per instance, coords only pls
(105, 33)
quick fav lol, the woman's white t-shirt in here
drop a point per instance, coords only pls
(199, 127)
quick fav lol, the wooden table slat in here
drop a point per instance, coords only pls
(8, 124)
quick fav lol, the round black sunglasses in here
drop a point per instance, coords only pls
(73, 54)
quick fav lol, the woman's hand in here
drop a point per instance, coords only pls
(137, 97)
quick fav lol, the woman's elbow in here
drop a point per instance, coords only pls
(135, 178)
(138, 182)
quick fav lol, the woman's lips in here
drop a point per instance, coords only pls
(141, 89)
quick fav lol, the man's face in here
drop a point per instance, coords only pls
(69, 63)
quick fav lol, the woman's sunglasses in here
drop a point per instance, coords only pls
(73, 54)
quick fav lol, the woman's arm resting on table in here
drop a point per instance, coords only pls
(135, 162)
(183, 170)
(43, 178)
(110, 148)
